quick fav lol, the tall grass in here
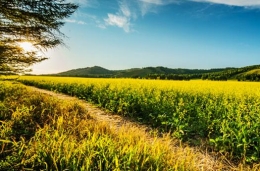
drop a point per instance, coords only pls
(40, 132)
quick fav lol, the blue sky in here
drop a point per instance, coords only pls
(123, 34)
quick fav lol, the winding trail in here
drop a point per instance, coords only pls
(99, 114)
(205, 160)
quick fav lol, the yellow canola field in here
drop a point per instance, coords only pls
(227, 87)
(226, 114)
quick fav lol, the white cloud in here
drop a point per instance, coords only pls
(81, 22)
(122, 18)
(147, 6)
(226, 2)
(233, 2)
(156, 2)
(126, 15)
(75, 21)
(125, 10)
(159, 2)
(130, 10)
(119, 21)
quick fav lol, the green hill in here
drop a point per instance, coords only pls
(243, 73)
(98, 71)
(89, 71)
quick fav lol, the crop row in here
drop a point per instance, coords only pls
(225, 114)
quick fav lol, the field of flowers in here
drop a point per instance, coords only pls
(224, 114)
(41, 132)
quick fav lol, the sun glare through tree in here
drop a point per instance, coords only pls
(27, 46)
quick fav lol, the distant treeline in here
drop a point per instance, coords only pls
(81, 76)
(232, 73)
(249, 73)
(251, 77)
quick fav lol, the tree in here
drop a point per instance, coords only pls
(35, 21)
(13, 59)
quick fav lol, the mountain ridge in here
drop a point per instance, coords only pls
(160, 72)
(98, 70)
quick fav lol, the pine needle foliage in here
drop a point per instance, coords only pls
(34, 21)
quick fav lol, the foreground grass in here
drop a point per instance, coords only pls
(39, 132)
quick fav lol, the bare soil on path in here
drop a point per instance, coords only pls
(205, 161)
(99, 114)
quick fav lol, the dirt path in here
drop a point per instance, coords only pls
(99, 114)
(205, 160)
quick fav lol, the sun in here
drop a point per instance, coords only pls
(27, 46)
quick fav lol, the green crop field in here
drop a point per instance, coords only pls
(225, 114)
